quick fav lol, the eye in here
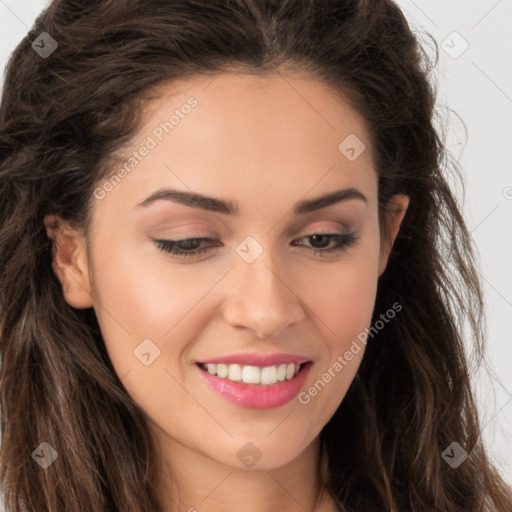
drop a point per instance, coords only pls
(183, 248)
(341, 242)
(187, 247)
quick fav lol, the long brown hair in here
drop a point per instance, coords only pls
(62, 118)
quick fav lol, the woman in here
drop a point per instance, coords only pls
(232, 272)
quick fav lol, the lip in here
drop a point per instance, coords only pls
(256, 396)
(261, 360)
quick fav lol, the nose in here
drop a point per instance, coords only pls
(262, 298)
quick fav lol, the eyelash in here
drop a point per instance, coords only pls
(344, 242)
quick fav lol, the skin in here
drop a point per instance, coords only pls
(263, 143)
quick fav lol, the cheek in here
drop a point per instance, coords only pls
(342, 295)
(138, 298)
(342, 299)
(129, 302)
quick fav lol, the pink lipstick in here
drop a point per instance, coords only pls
(256, 395)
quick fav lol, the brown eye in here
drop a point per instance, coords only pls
(322, 240)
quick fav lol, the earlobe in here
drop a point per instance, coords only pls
(395, 215)
(70, 262)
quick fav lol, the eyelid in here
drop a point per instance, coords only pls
(203, 230)
(324, 226)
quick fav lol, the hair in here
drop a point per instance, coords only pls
(64, 117)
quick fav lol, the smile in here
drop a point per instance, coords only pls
(254, 387)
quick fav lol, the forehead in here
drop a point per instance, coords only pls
(236, 133)
(288, 104)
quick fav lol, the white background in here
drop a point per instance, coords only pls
(477, 85)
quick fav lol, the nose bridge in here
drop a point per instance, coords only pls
(261, 297)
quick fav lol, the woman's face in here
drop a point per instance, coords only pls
(263, 150)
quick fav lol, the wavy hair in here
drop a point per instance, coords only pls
(63, 118)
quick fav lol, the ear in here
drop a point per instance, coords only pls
(394, 216)
(70, 262)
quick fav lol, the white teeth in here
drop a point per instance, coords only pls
(281, 372)
(267, 375)
(234, 372)
(250, 374)
(222, 370)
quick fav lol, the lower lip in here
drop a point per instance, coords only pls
(255, 396)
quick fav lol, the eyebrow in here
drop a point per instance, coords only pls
(213, 204)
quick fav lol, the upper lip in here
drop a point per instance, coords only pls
(261, 360)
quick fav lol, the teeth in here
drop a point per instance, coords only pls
(267, 375)
(222, 370)
(235, 372)
(250, 374)
(281, 372)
